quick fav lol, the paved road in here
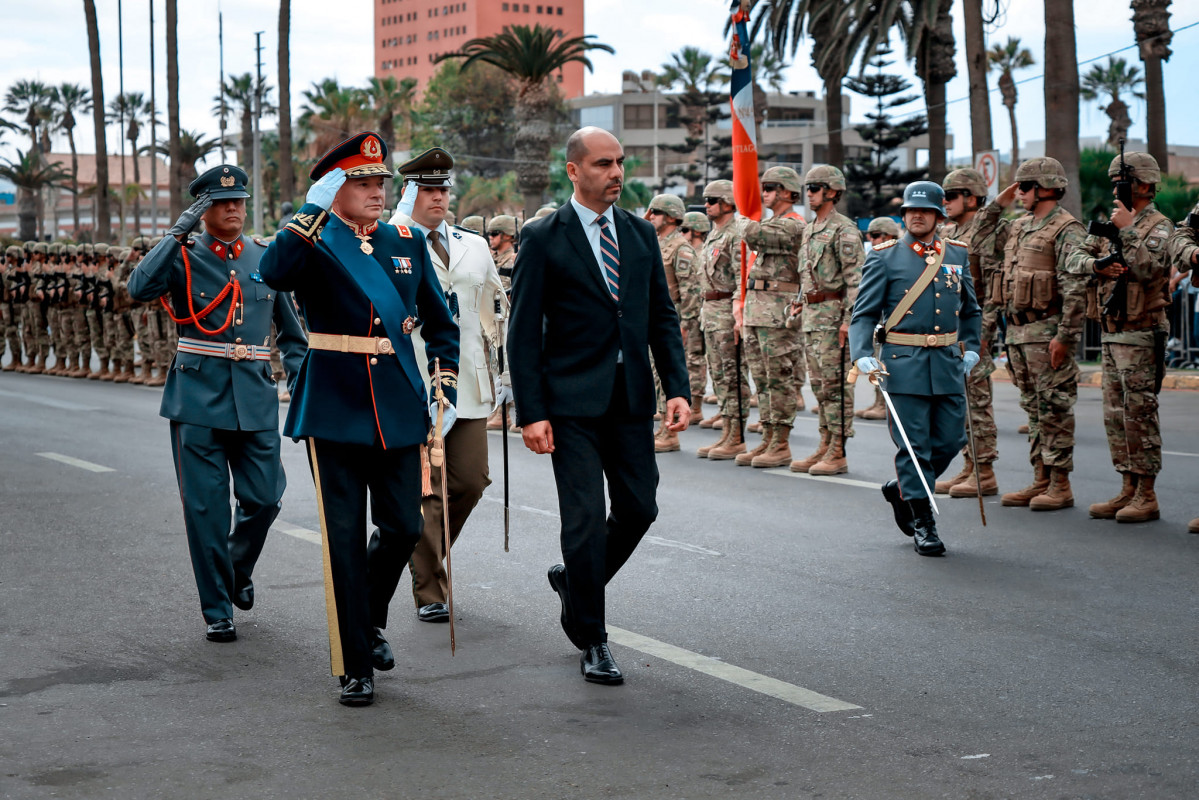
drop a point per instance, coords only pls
(779, 637)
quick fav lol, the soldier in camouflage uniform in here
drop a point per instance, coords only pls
(1183, 252)
(501, 238)
(1044, 304)
(10, 279)
(74, 322)
(773, 350)
(695, 227)
(158, 348)
(106, 303)
(666, 213)
(121, 262)
(474, 223)
(720, 278)
(880, 229)
(830, 265)
(965, 195)
(53, 287)
(91, 311)
(1132, 335)
(37, 335)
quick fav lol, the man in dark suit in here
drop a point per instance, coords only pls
(220, 397)
(360, 399)
(920, 288)
(589, 303)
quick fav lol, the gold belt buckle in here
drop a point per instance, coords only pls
(931, 341)
(241, 352)
(384, 345)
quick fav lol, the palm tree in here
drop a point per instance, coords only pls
(193, 147)
(693, 72)
(69, 98)
(390, 99)
(176, 190)
(1062, 93)
(287, 177)
(531, 55)
(1007, 58)
(30, 101)
(1109, 81)
(332, 112)
(133, 107)
(102, 224)
(30, 175)
(1151, 21)
(827, 24)
(976, 72)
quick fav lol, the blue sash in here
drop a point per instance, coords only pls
(369, 276)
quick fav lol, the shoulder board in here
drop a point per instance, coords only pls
(957, 242)
(467, 230)
(404, 231)
(886, 244)
(190, 242)
(258, 240)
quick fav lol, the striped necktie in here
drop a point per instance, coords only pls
(611, 256)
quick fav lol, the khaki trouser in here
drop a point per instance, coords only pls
(467, 477)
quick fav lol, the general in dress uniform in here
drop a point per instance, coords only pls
(919, 287)
(360, 399)
(219, 395)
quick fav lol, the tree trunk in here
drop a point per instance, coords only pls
(137, 184)
(287, 178)
(976, 70)
(533, 132)
(387, 129)
(26, 214)
(175, 146)
(934, 100)
(74, 180)
(1155, 111)
(102, 222)
(1151, 22)
(1061, 95)
(832, 112)
(1011, 113)
(246, 156)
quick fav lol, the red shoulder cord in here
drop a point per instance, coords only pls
(236, 300)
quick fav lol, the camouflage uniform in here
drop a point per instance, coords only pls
(830, 264)
(1182, 250)
(37, 337)
(691, 303)
(773, 349)
(8, 315)
(53, 288)
(91, 311)
(1042, 301)
(986, 267)
(120, 339)
(720, 274)
(1129, 340)
(678, 259)
(504, 261)
(75, 331)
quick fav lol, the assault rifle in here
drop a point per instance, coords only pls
(1116, 305)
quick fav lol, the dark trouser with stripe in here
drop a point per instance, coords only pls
(365, 578)
(936, 427)
(620, 448)
(223, 559)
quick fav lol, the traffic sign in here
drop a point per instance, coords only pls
(987, 163)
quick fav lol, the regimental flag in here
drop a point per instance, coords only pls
(747, 191)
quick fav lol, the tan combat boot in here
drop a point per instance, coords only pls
(697, 411)
(1144, 503)
(943, 487)
(745, 459)
(159, 377)
(1022, 429)
(108, 373)
(39, 365)
(1058, 495)
(1040, 483)
(12, 365)
(85, 367)
(834, 461)
(1193, 526)
(779, 452)
(968, 488)
(711, 421)
(754, 427)
(140, 377)
(703, 451)
(1108, 509)
(668, 442)
(803, 465)
(125, 374)
(710, 399)
(732, 445)
(495, 420)
(57, 368)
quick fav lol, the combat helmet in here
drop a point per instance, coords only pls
(670, 205)
(697, 221)
(965, 180)
(28, 246)
(722, 189)
(544, 211)
(13, 251)
(787, 177)
(1144, 167)
(828, 175)
(504, 223)
(473, 223)
(883, 225)
(1047, 172)
(141, 244)
(100, 249)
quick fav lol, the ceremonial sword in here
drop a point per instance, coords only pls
(875, 377)
(437, 459)
(499, 319)
(970, 438)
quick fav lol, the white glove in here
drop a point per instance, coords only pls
(408, 199)
(969, 361)
(447, 421)
(868, 364)
(503, 392)
(323, 191)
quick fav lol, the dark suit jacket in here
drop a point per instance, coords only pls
(566, 330)
(207, 390)
(355, 398)
(948, 304)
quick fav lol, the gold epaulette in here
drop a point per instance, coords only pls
(886, 244)
(308, 225)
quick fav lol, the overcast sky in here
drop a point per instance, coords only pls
(47, 40)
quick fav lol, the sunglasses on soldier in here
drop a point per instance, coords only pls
(1028, 186)
(711, 201)
(654, 212)
(954, 194)
(684, 229)
(771, 187)
(816, 187)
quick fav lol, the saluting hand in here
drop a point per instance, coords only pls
(188, 219)
(323, 191)
(1008, 195)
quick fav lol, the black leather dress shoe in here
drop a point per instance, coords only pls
(557, 576)
(434, 612)
(381, 652)
(357, 691)
(599, 666)
(903, 512)
(243, 598)
(221, 631)
(924, 528)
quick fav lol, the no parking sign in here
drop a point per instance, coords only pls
(987, 163)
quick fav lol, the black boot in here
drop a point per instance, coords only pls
(903, 514)
(925, 528)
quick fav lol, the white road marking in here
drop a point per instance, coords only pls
(51, 402)
(295, 530)
(980, 755)
(787, 473)
(540, 511)
(787, 692)
(1176, 453)
(76, 462)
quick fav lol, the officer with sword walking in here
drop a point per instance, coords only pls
(919, 287)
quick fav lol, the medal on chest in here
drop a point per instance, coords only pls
(364, 244)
